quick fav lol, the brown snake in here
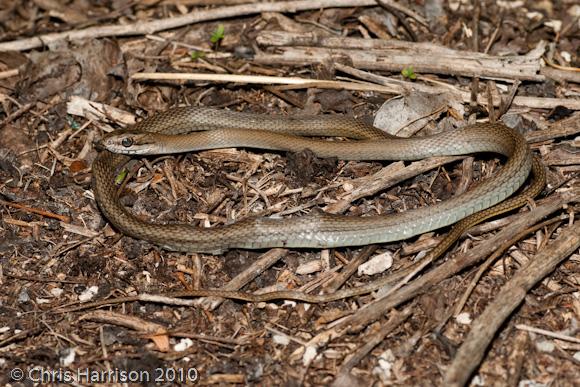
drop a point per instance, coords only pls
(217, 129)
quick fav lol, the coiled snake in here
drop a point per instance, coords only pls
(208, 128)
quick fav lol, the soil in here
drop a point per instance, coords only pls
(57, 249)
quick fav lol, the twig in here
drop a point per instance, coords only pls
(473, 106)
(239, 78)
(492, 39)
(39, 279)
(501, 249)
(392, 8)
(20, 111)
(490, 85)
(262, 263)
(567, 127)
(397, 6)
(372, 340)
(515, 360)
(207, 2)
(385, 178)
(144, 28)
(48, 214)
(374, 310)
(349, 269)
(8, 73)
(544, 332)
(388, 55)
(510, 297)
(124, 320)
(507, 102)
(300, 83)
(21, 336)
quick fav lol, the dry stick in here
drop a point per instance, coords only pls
(255, 79)
(466, 175)
(38, 279)
(8, 73)
(370, 342)
(491, 111)
(175, 298)
(567, 127)
(300, 83)
(385, 178)
(516, 357)
(133, 322)
(442, 87)
(388, 5)
(13, 116)
(211, 302)
(492, 39)
(507, 102)
(393, 60)
(438, 274)
(486, 265)
(144, 297)
(313, 39)
(206, 2)
(387, 55)
(375, 310)
(284, 96)
(560, 75)
(334, 284)
(409, 12)
(226, 341)
(475, 80)
(48, 214)
(527, 67)
(144, 28)
(554, 335)
(21, 336)
(261, 264)
(507, 300)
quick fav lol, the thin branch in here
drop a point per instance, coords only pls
(196, 16)
(507, 300)
(393, 88)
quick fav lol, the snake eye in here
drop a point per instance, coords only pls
(127, 142)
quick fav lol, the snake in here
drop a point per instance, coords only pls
(198, 128)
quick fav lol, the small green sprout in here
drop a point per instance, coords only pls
(218, 34)
(72, 122)
(409, 73)
(197, 55)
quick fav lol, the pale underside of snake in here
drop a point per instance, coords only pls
(203, 128)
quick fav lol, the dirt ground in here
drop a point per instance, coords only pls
(83, 304)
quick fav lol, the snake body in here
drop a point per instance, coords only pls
(208, 128)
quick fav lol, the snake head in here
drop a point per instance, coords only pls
(127, 142)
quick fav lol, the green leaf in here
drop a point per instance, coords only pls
(196, 55)
(409, 73)
(218, 34)
(72, 122)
